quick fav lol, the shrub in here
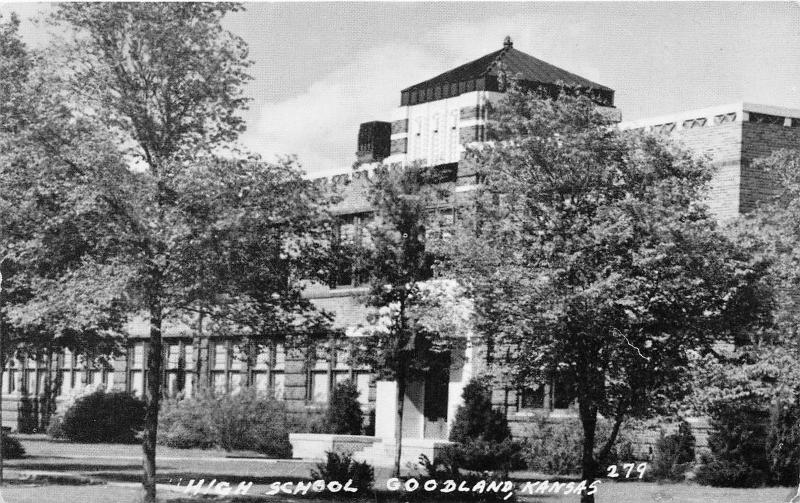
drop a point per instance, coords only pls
(480, 455)
(249, 421)
(738, 445)
(341, 468)
(476, 419)
(674, 454)
(12, 448)
(344, 411)
(555, 448)
(481, 435)
(244, 421)
(724, 473)
(55, 429)
(783, 445)
(182, 424)
(104, 417)
(445, 468)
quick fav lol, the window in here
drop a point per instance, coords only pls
(532, 397)
(563, 394)
(319, 386)
(278, 385)
(363, 380)
(220, 355)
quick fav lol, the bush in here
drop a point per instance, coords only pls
(55, 429)
(104, 417)
(341, 468)
(244, 421)
(783, 445)
(344, 412)
(555, 448)
(476, 419)
(182, 424)
(723, 473)
(12, 448)
(674, 454)
(445, 468)
(481, 435)
(480, 455)
(738, 445)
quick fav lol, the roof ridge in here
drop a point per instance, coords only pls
(496, 60)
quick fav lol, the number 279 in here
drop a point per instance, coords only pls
(628, 467)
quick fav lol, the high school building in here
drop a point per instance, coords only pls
(433, 123)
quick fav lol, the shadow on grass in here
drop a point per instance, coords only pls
(72, 467)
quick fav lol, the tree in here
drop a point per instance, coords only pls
(476, 419)
(404, 340)
(344, 410)
(166, 79)
(593, 262)
(764, 371)
(128, 158)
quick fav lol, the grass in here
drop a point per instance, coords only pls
(121, 464)
(632, 492)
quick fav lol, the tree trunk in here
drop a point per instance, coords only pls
(152, 398)
(46, 403)
(588, 462)
(398, 425)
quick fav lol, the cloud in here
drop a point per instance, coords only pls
(321, 125)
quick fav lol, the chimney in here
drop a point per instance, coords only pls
(374, 141)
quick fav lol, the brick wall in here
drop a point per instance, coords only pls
(758, 141)
(721, 146)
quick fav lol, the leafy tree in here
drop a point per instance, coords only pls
(593, 262)
(116, 164)
(405, 339)
(763, 370)
(476, 418)
(344, 410)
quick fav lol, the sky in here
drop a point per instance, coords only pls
(321, 69)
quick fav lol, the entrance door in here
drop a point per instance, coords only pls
(435, 409)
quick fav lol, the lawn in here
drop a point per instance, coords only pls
(631, 492)
(121, 466)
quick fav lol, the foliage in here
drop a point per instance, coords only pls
(246, 420)
(749, 393)
(674, 453)
(183, 424)
(12, 448)
(783, 444)
(483, 439)
(124, 195)
(344, 410)
(115, 417)
(341, 468)
(55, 429)
(484, 455)
(405, 338)
(725, 473)
(476, 418)
(554, 447)
(737, 443)
(447, 468)
(593, 261)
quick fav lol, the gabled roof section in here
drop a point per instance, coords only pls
(483, 73)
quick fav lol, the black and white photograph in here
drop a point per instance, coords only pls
(400, 252)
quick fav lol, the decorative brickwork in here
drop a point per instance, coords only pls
(400, 126)
(470, 133)
(467, 113)
(399, 146)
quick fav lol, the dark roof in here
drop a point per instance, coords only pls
(516, 64)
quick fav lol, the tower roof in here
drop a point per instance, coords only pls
(483, 73)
